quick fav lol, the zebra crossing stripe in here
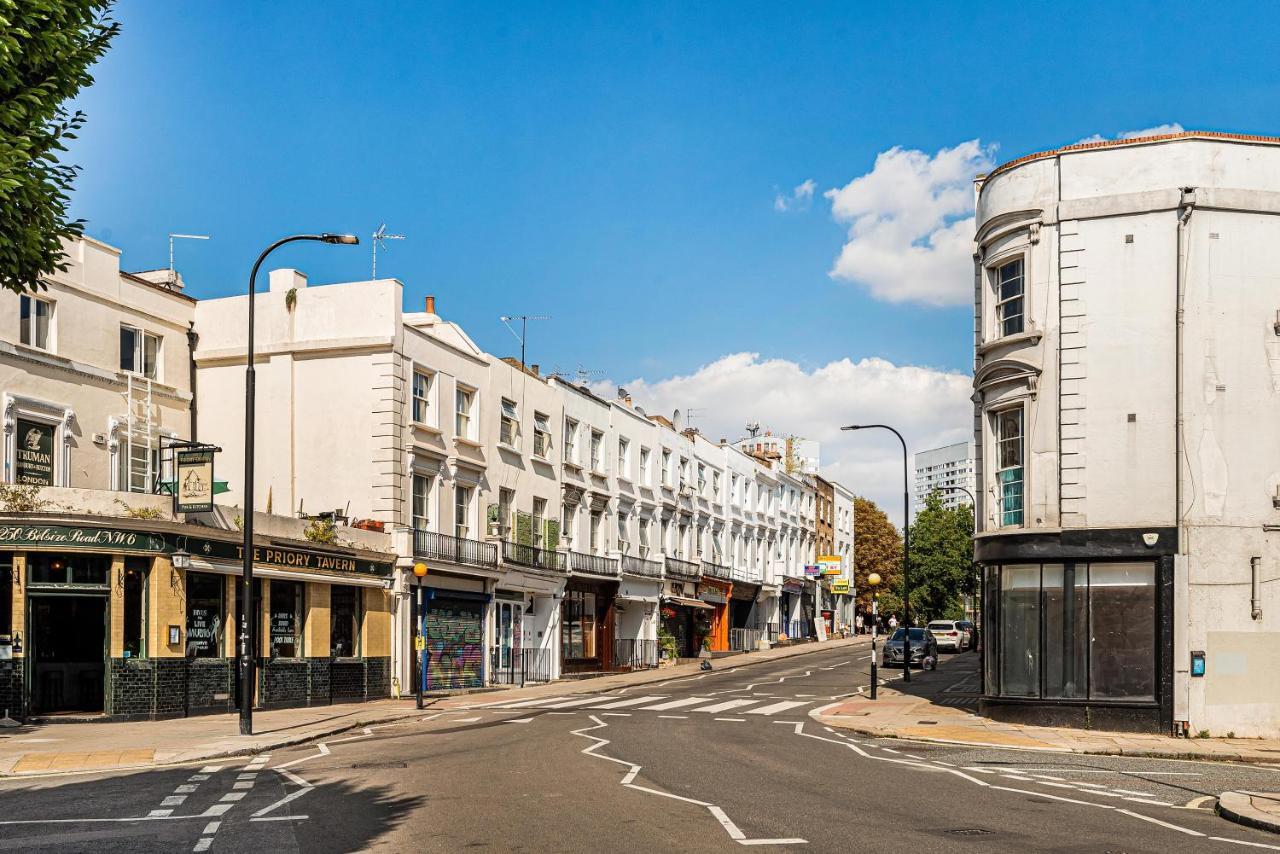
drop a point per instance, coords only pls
(727, 705)
(622, 704)
(675, 704)
(776, 707)
(578, 702)
(534, 702)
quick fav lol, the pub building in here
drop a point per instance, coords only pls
(129, 618)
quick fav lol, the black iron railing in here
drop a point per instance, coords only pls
(683, 569)
(519, 666)
(716, 570)
(533, 556)
(430, 545)
(592, 564)
(631, 654)
(639, 566)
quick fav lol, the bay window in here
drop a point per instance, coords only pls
(1009, 297)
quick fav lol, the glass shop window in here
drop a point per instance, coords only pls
(205, 615)
(286, 619)
(44, 568)
(1122, 623)
(344, 630)
(135, 606)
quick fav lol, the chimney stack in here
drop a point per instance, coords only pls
(534, 368)
(431, 304)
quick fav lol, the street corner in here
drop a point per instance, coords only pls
(1259, 810)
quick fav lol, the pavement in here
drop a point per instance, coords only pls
(681, 762)
(63, 748)
(1252, 809)
(940, 706)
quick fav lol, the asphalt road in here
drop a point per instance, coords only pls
(707, 763)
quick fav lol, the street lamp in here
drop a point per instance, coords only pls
(973, 564)
(906, 548)
(420, 639)
(873, 581)
(248, 629)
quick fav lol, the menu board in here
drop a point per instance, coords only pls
(204, 630)
(284, 632)
(33, 453)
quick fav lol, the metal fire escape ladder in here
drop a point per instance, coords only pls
(140, 436)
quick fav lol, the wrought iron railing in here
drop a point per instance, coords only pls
(533, 556)
(430, 545)
(632, 654)
(683, 568)
(519, 666)
(639, 566)
(716, 570)
(592, 564)
(746, 640)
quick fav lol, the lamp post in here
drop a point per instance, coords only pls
(973, 503)
(420, 640)
(906, 548)
(873, 581)
(248, 629)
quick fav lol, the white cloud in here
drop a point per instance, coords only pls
(911, 224)
(1158, 130)
(930, 407)
(799, 199)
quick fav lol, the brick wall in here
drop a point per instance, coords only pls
(11, 695)
(207, 680)
(319, 681)
(285, 682)
(347, 680)
(131, 692)
(377, 678)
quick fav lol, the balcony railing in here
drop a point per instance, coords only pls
(519, 666)
(430, 545)
(631, 654)
(683, 569)
(592, 564)
(746, 640)
(639, 566)
(533, 556)
(716, 570)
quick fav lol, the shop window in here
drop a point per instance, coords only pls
(286, 622)
(78, 569)
(578, 625)
(135, 607)
(1020, 630)
(205, 614)
(1066, 630)
(1122, 620)
(344, 628)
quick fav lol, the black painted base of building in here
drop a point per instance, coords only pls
(11, 693)
(1093, 716)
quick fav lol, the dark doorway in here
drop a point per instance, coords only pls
(240, 630)
(68, 652)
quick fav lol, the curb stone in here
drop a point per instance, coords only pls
(1238, 807)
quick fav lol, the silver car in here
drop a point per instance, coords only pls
(950, 635)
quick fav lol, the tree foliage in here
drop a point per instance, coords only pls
(877, 547)
(941, 560)
(46, 50)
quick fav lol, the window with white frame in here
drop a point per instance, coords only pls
(541, 435)
(684, 472)
(644, 537)
(700, 537)
(571, 441)
(132, 462)
(568, 515)
(597, 451)
(1009, 287)
(624, 458)
(420, 509)
(733, 488)
(539, 521)
(464, 406)
(597, 532)
(702, 479)
(624, 539)
(682, 540)
(139, 352)
(1009, 465)
(715, 485)
(666, 467)
(35, 315)
(646, 477)
(509, 428)
(462, 500)
(421, 397)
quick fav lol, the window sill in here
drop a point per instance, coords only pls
(467, 443)
(426, 428)
(508, 447)
(600, 474)
(625, 480)
(1029, 337)
(571, 465)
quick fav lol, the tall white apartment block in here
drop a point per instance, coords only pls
(944, 469)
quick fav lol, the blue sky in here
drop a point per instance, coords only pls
(616, 165)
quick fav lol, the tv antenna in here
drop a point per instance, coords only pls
(691, 413)
(753, 428)
(380, 238)
(523, 334)
(173, 277)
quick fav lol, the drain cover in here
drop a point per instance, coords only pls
(971, 831)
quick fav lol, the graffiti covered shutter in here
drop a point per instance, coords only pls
(455, 643)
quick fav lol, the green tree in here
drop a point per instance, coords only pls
(877, 547)
(941, 560)
(46, 50)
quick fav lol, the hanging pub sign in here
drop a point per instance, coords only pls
(194, 489)
(33, 453)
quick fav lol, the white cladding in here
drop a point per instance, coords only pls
(1139, 413)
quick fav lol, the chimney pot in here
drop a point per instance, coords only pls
(534, 368)
(431, 305)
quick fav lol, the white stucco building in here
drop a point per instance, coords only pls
(945, 469)
(1127, 388)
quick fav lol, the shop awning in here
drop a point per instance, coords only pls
(689, 603)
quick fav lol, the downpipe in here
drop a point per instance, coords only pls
(1255, 591)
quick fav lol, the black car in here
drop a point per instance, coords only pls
(923, 645)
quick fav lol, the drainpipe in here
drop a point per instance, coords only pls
(193, 341)
(1255, 595)
(1185, 209)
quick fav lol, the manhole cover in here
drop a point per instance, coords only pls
(380, 765)
(970, 831)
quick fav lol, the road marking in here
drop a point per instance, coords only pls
(675, 717)
(212, 827)
(323, 750)
(726, 706)
(616, 714)
(733, 720)
(216, 809)
(173, 801)
(248, 775)
(1196, 803)
(537, 702)
(198, 778)
(777, 707)
(622, 704)
(578, 702)
(560, 713)
(185, 790)
(211, 769)
(465, 720)
(675, 704)
(159, 813)
(203, 843)
(303, 788)
(518, 721)
(242, 784)
(232, 796)
(1188, 831)
(1242, 842)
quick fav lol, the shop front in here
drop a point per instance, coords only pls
(716, 594)
(452, 622)
(686, 620)
(100, 621)
(747, 623)
(797, 609)
(587, 626)
(635, 646)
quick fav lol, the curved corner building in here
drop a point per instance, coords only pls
(1127, 418)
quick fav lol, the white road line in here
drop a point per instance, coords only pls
(518, 721)
(185, 790)
(777, 707)
(203, 843)
(173, 801)
(232, 796)
(303, 788)
(211, 769)
(616, 714)
(242, 784)
(560, 713)
(212, 827)
(323, 750)
(216, 809)
(578, 702)
(465, 720)
(726, 706)
(622, 704)
(1196, 803)
(733, 720)
(675, 704)
(1188, 831)
(675, 717)
(1242, 842)
(249, 775)
(159, 813)
(538, 702)
(198, 778)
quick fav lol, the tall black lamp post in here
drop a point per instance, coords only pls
(906, 547)
(248, 627)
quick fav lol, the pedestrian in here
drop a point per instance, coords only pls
(857, 624)
(893, 622)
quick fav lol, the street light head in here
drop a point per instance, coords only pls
(852, 427)
(419, 569)
(873, 579)
(344, 239)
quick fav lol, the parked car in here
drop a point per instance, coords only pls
(950, 635)
(972, 629)
(923, 645)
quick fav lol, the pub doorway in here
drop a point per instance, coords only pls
(68, 651)
(239, 641)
